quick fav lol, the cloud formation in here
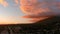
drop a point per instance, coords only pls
(4, 3)
(16, 1)
(38, 8)
(33, 7)
(35, 18)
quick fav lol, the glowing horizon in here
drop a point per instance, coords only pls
(10, 12)
(21, 11)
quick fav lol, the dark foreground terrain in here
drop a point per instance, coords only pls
(47, 26)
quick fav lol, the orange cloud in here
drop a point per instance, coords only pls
(4, 3)
(16, 1)
(38, 19)
(35, 18)
(33, 7)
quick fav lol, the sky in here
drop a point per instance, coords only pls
(11, 11)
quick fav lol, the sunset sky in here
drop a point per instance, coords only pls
(11, 11)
